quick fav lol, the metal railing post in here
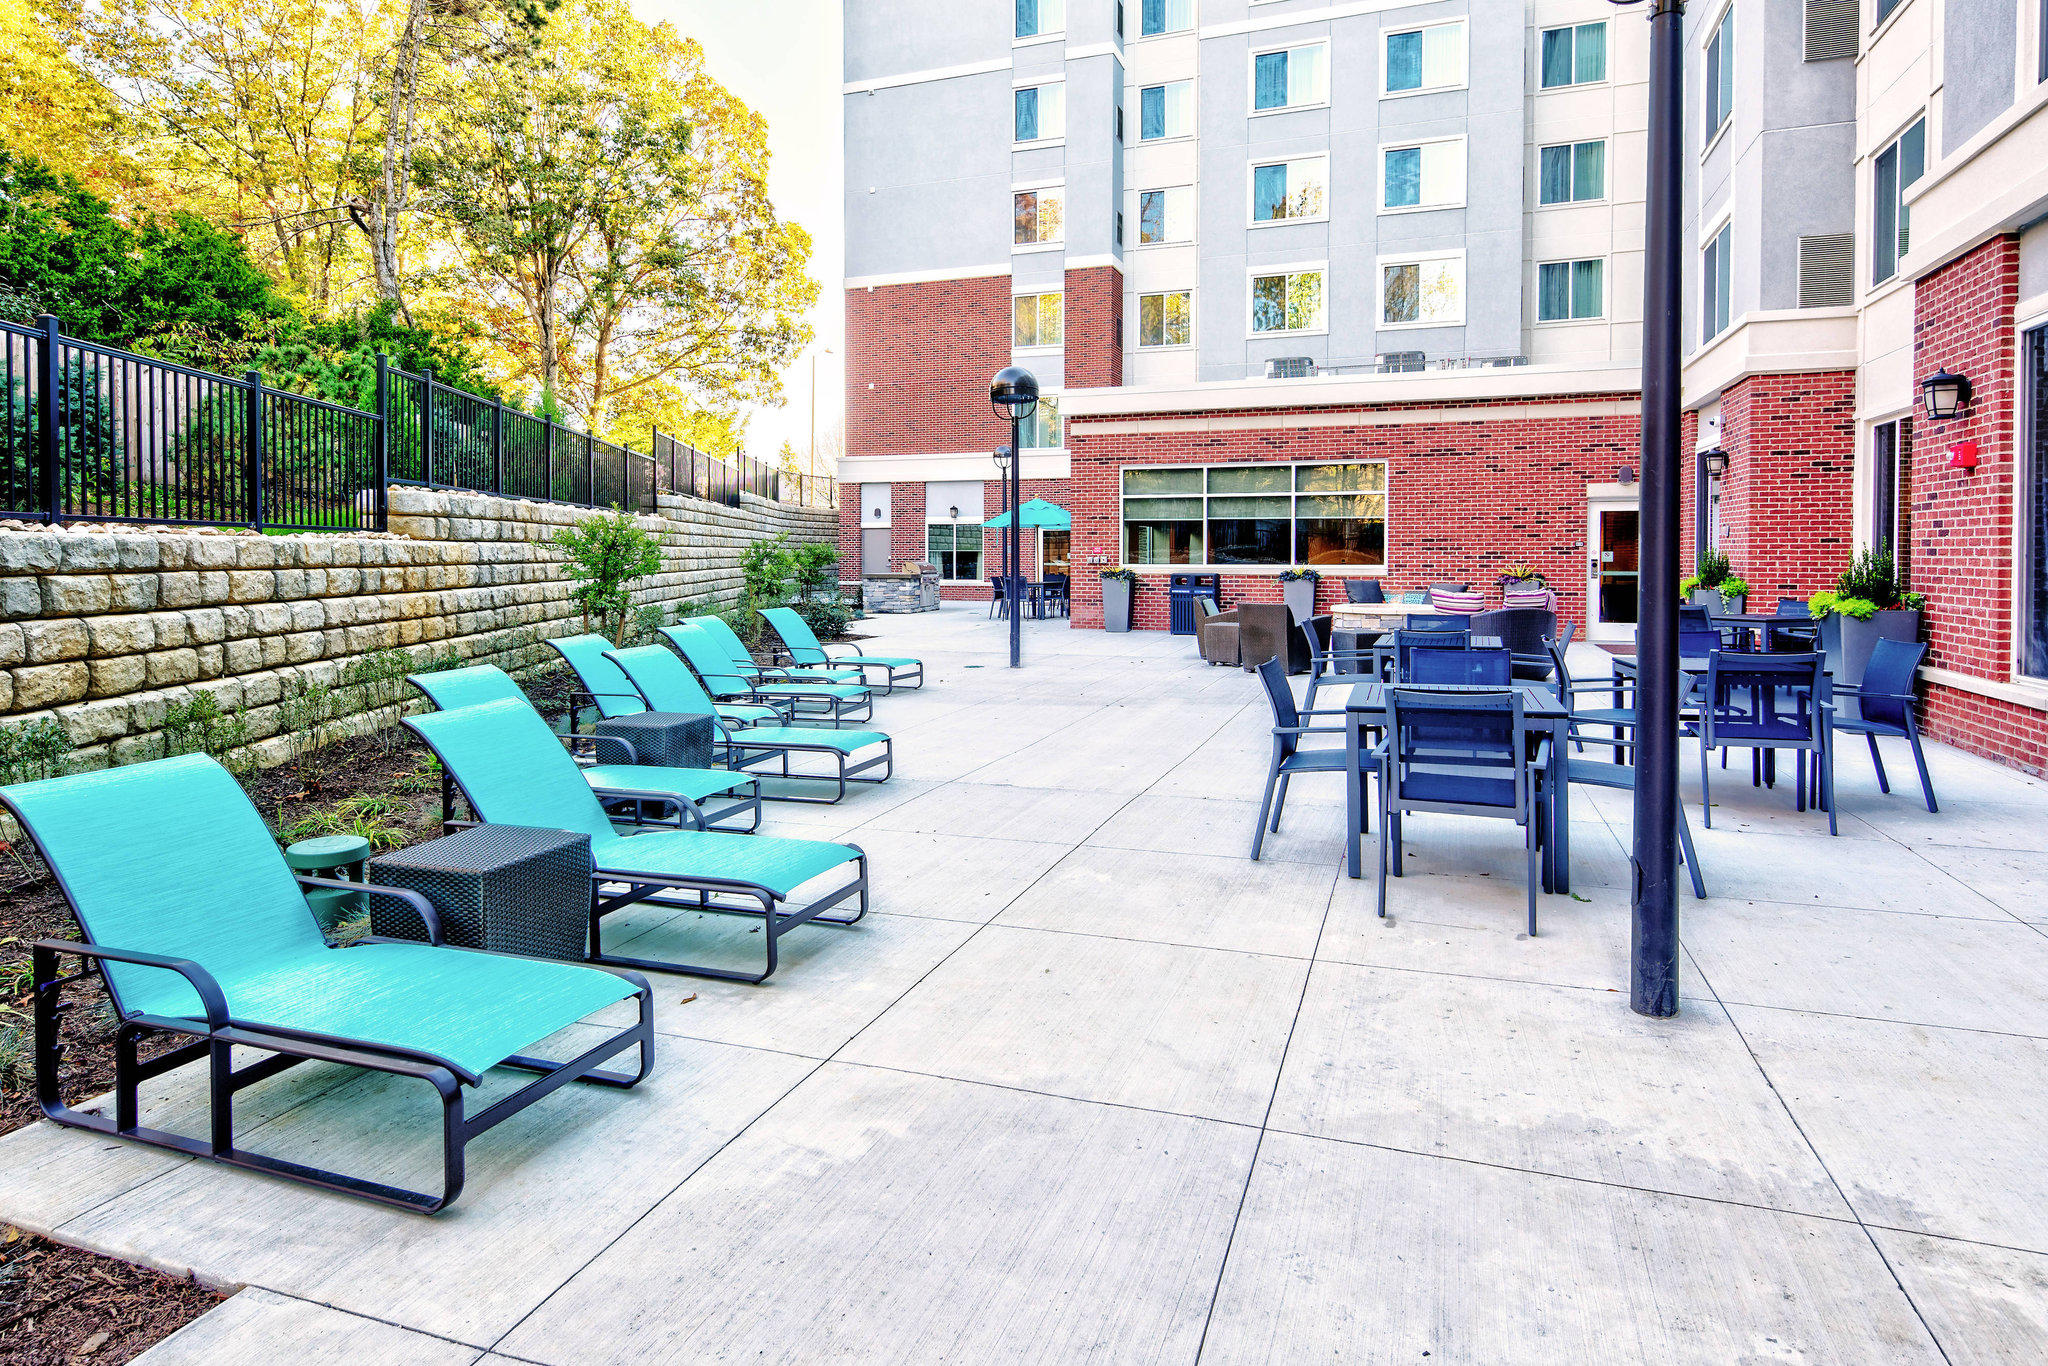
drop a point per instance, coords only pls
(589, 470)
(50, 417)
(380, 446)
(252, 447)
(547, 432)
(427, 426)
(497, 445)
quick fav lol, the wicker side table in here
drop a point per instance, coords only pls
(670, 738)
(511, 888)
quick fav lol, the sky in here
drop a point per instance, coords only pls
(783, 58)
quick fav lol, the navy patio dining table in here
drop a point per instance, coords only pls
(1367, 706)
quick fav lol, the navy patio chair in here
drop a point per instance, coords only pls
(1765, 703)
(1884, 707)
(1328, 664)
(1289, 757)
(1470, 668)
(1461, 754)
(1437, 621)
(1407, 642)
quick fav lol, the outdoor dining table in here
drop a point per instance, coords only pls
(1694, 667)
(1366, 705)
(1765, 624)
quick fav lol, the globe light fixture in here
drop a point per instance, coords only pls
(1944, 394)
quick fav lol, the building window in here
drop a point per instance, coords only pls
(1166, 216)
(1165, 16)
(1270, 515)
(1885, 449)
(1571, 291)
(1287, 301)
(954, 548)
(1041, 112)
(1284, 190)
(1571, 172)
(1715, 275)
(1166, 111)
(1291, 78)
(1037, 216)
(1037, 319)
(1425, 59)
(2033, 653)
(1042, 430)
(1885, 7)
(1423, 292)
(1165, 319)
(1036, 18)
(1430, 176)
(1718, 78)
(1576, 55)
(1896, 169)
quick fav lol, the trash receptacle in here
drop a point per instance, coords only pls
(1182, 590)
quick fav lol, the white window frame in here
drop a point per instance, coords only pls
(1253, 274)
(1251, 190)
(1386, 492)
(1464, 180)
(1017, 294)
(1251, 72)
(1194, 23)
(1536, 293)
(1137, 242)
(1416, 258)
(1055, 395)
(1464, 81)
(1044, 35)
(1901, 211)
(1040, 188)
(1722, 221)
(1193, 114)
(1707, 36)
(1607, 64)
(1041, 85)
(1138, 321)
(1606, 172)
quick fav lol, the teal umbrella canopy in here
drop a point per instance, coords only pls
(1037, 513)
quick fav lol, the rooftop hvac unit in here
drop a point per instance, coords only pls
(1398, 362)
(1291, 367)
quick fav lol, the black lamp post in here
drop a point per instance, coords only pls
(1653, 984)
(1013, 394)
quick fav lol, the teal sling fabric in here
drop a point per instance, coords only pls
(728, 640)
(802, 642)
(600, 677)
(721, 680)
(210, 885)
(465, 687)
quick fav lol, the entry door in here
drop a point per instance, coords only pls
(1053, 553)
(874, 550)
(1613, 568)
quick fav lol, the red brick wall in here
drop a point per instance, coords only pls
(918, 362)
(1960, 523)
(1095, 328)
(1465, 498)
(1787, 501)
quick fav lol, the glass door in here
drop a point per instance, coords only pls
(1053, 553)
(1613, 569)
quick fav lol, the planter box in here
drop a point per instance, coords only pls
(1116, 604)
(1734, 605)
(1709, 598)
(1300, 597)
(1848, 642)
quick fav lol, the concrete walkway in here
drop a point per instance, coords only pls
(1091, 1086)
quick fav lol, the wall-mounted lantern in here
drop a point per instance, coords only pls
(1625, 476)
(954, 512)
(1716, 461)
(1944, 394)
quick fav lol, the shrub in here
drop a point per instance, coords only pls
(607, 555)
(31, 750)
(371, 816)
(814, 571)
(827, 617)
(766, 567)
(645, 624)
(378, 681)
(1732, 587)
(199, 726)
(1871, 576)
(303, 716)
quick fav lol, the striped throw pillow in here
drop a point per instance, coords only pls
(1466, 603)
(1525, 597)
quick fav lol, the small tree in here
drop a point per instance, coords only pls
(607, 555)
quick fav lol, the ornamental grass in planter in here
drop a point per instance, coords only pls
(1866, 606)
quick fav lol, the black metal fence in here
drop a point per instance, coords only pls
(93, 433)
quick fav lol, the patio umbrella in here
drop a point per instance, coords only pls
(1037, 513)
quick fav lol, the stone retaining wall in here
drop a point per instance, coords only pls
(107, 629)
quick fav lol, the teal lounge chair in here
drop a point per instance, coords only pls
(200, 930)
(667, 683)
(630, 789)
(607, 692)
(509, 768)
(800, 645)
(725, 683)
(746, 666)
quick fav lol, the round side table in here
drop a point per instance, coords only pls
(331, 856)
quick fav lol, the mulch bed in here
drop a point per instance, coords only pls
(59, 1305)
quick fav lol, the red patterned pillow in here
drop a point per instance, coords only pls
(1466, 603)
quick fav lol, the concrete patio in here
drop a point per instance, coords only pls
(1091, 1086)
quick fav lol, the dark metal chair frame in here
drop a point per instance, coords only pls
(1289, 759)
(1766, 679)
(214, 1042)
(1888, 711)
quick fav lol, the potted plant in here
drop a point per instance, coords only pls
(1118, 586)
(1866, 606)
(1521, 576)
(1734, 595)
(1703, 588)
(1298, 590)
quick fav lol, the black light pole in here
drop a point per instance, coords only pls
(1653, 985)
(1013, 394)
